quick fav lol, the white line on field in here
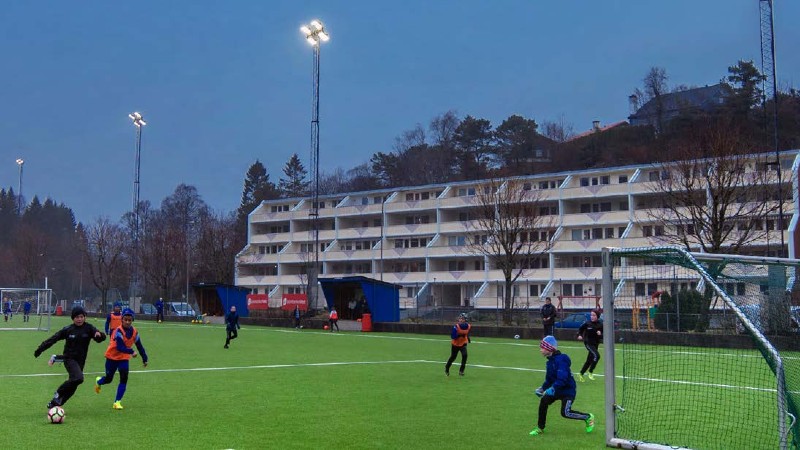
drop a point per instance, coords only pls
(412, 361)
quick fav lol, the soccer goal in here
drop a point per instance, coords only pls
(41, 307)
(701, 351)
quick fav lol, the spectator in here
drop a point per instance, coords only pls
(548, 317)
(160, 309)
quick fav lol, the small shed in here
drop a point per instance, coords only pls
(216, 299)
(379, 298)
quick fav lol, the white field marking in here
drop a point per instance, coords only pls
(534, 344)
(413, 361)
(20, 329)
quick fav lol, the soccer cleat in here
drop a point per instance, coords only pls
(461, 374)
(536, 431)
(97, 385)
(591, 376)
(117, 405)
(590, 423)
(51, 361)
(226, 346)
(580, 377)
(446, 373)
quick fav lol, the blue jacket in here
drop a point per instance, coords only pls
(559, 375)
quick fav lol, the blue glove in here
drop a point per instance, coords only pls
(550, 391)
(539, 392)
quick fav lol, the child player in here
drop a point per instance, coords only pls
(119, 352)
(558, 385)
(114, 318)
(77, 337)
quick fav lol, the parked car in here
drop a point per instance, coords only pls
(574, 320)
(147, 308)
(755, 315)
(180, 309)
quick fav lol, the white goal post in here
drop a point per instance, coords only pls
(41, 308)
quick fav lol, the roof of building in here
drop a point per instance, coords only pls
(704, 98)
(598, 130)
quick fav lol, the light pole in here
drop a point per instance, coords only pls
(20, 163)
(188, 224)
(138, 122)
(315, 34)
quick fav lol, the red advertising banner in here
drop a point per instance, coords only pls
(257, 301)
(289, 301)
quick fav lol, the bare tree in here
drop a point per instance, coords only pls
(714, 198)
(559, 130)
(510, 231)
(104, 246)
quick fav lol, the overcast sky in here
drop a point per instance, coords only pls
(222, 84)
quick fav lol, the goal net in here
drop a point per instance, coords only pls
(707, 350)
(13, 302)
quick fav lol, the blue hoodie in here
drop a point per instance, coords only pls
(559, 375)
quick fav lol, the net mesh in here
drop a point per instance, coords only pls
(706, 349)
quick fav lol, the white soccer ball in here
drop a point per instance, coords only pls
(56, 414)
(516, 336)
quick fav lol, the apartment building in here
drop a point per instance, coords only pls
(422, 237)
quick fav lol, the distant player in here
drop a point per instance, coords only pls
(160, 310)
(77, 337)
(591, 332)
(119, 352)
(7, 314)
(558, 385)
(114, 318)
(333, 319)
(26, 311)
(459, 336)
(231, 326)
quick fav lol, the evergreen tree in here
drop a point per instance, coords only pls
(295, 184)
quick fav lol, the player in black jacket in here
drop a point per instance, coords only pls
(591, 332)
(77, 337)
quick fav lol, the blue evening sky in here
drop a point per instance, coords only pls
(223, 83)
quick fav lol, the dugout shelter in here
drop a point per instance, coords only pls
(382, 298)
(216, 299)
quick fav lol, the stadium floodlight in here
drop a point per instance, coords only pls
(138, 122)
(137, 119)
(315, 34)
(20, 163)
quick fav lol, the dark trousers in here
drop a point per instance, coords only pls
(297, 322)
(591, 359)
(549, 329)
(566, 409)
(160, 315)
(334, 322)
(453, 353)
(67, 388)
(232, 334)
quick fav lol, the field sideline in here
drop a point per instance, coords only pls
(283, 388)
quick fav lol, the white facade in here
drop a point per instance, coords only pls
(420, 235)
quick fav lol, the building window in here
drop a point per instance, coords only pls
(584, 182)
(647, 231)
(622, 179)
(609, 233)
(605, 179)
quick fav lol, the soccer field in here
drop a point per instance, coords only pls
(282, 388)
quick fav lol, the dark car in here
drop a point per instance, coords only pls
(147, 308)
(574, 320)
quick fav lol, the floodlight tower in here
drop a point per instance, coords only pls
(20, 163)
(139, 123)
(770, 89)
(315, 35)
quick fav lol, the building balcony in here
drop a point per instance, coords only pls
(361, 232)
(358, 210)
(420, 205)
(446, 250)
(588, 245)
(578, 273)
(270, 238)
(351, 255)
(398, 253)
(411, 230)
(597, 218)
(256, 280)
(405, 278)
(598, 191)
(455, 277)
(458, 202)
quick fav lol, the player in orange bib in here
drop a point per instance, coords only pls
(114, 318)
(119, 352)
(460, 339)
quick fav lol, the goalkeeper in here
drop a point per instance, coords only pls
(558, 385)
